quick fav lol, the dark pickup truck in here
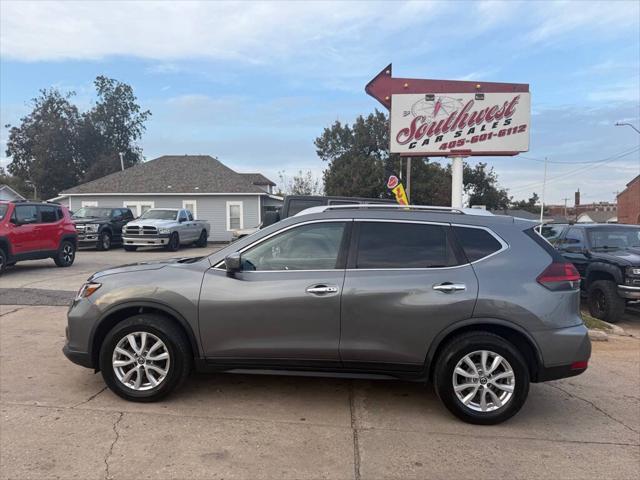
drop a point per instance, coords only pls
(100, 227)
(608, 259)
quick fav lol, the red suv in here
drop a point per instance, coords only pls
(35, 230)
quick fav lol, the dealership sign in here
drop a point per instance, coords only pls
(451, 123)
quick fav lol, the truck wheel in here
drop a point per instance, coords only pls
(202, 240)
(130, 248)
(145, 357)
(481, 378)
(604, 301)
(66, 254)
(174, 242)
(104, 241)
(3, 260)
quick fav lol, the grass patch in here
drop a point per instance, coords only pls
(593, 323)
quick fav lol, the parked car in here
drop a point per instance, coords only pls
(479, 304)
(608, 259)
(35, 230)
(100, 227)
(551, 231)
(165, 227)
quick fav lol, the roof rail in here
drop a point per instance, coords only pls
(377, 206)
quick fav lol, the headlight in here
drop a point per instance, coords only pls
(164, 231)
(87, 290)
(91, 228)
(633, 271)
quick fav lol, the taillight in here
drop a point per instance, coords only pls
(560, 276)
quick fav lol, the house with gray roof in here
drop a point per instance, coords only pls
(228, 200)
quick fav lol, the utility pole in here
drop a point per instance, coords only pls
(544, 186)
(121, 160)
(565, 206)
(409, 180)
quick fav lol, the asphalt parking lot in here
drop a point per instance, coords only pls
(59, 421)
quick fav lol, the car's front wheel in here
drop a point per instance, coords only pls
(145, 357)
(174, 242)
(481, 378)
(66, 254)
(3, 260)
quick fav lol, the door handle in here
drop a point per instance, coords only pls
(322, 289)
(450, 287)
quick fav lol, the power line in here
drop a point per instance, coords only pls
(580, 162)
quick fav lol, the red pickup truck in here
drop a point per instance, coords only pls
(36, 230)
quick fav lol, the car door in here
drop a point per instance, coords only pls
(284, 304)
(23, 229)
(48, 229)
(405, 283)
(119, 217)
(194, 229)
(573, 248)
(183, 227)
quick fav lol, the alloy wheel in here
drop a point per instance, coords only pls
(483, 381)
(67, 253)
(106, 241)
(141, 361)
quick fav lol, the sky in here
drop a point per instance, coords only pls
(254, 83)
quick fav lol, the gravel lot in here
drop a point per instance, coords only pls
(59, 421)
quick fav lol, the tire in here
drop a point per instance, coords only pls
(202, 240)
(130, 248)
(471, 344)
(104, 241)
(174, 344)
(174, 242)
(3, 260)
(604, 301)
(66, 254)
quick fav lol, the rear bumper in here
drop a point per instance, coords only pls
(565, 352)
(146, 241)
(626, 291)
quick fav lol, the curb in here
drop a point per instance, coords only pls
(598, 336)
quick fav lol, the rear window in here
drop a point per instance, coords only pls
(296, 206)
(476, 242)
(403, 245)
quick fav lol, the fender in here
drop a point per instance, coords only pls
(6, 244)
(73, 237)
(437, 341)
(604, 267)
(150, 304)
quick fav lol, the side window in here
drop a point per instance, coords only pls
(314, 246)
(26, 214)
(183, 216)
(403, 245)
(126, 214)
(476, 242)
(59, 213)
(189, 215)
(574, 238)
(48, 214)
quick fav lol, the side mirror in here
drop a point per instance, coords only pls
(233, 263)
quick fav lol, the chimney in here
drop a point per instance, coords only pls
(577, 200)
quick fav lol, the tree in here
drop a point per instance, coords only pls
(43, 148)
(304, 183)
(481, 184)
(356, 156)
(112, 127)
(16, 183)
(528, 205)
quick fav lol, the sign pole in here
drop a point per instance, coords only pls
(409, 179)
(456, 181)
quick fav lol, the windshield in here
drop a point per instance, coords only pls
(3, 211)
(92, 212)
(160, 215)
(613, 238)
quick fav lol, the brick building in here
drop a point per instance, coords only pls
(629, 203)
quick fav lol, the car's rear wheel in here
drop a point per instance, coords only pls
(130, 248)
(104, 241)
(3, 260)
(145, 357)
(604, 301)
(174, 242)
(481, 378)
(202, 240)
(66, 254)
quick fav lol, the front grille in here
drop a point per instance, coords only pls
(140, 231)
(80, 228)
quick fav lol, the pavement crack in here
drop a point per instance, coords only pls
(11, 311)
(107, 457)
(589, 402)
(90, 398)
(354, 430)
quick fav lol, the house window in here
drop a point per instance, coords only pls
(138, 208)
(191, 205)
(234, 216)
(89, 203)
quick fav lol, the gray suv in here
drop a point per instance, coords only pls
(479, 305)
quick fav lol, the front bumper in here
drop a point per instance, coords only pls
(146, 241)
(565, 352)
(79, 358)
(87, 238)
(627, 291)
